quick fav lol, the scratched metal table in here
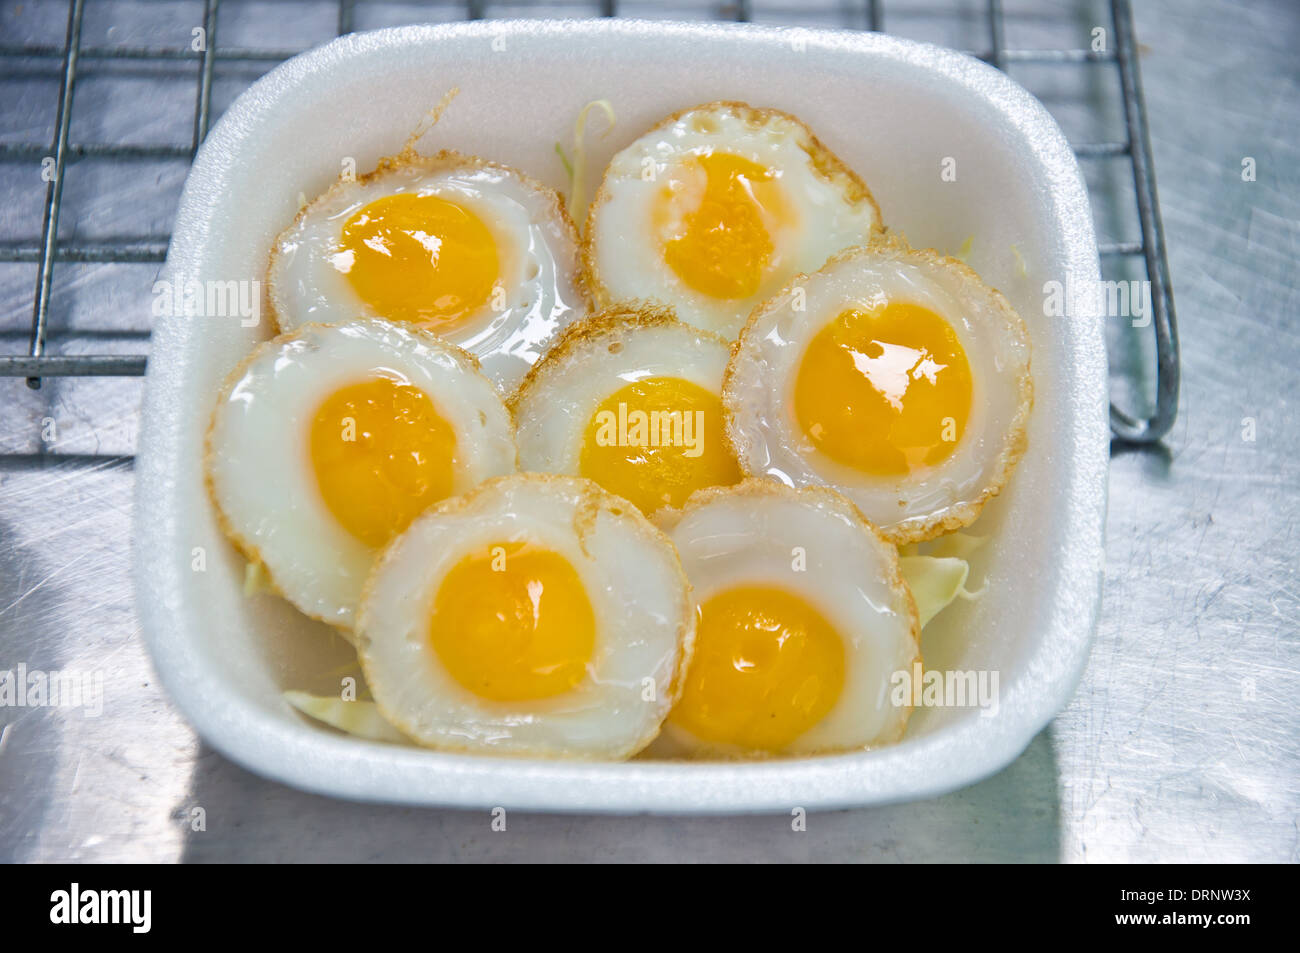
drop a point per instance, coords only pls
(1183, 740)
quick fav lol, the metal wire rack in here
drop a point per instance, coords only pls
(50, 250)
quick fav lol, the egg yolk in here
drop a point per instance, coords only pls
(656, 441)
(767, 667)
(513, 623)
(381, 453)
(716, 215)
(419, 258)
(886, 391)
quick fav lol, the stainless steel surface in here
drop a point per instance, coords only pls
(1183, 741)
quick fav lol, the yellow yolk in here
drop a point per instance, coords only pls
(656, 441)
(767, 667)
(716, 216)
(514, 623)
(419, 258)
(886, 391)
(382, 454)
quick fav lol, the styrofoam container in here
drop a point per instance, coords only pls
(895, 111)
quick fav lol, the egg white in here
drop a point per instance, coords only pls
(758, 391)
(591, 361)
(834, 209)
(639, 597)
(748, 535)
(258, 460)
(543, 280)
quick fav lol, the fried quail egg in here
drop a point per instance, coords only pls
(894, 375)
(630, 399)
(328, 441)
(803, 619)
(474, 251)
(537, 615)
(717, 207)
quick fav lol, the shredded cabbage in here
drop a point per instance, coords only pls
(935, 582)
(1020, 263)
(937, 572)
(577, 168)
(358, 718)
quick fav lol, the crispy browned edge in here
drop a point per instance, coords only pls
(592, 499)
(824, 162)
(445, 160)
(1015, 441)
(245, 547)
(616, 318)
(764, 486)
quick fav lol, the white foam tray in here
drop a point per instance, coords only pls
(893, 110)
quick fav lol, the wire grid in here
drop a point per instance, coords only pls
(50, 250)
